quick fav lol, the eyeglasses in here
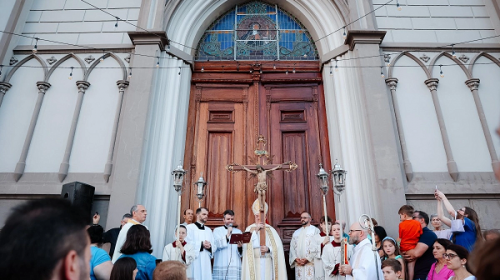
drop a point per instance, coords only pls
(350, 231)
(449, 256)
(461, 209)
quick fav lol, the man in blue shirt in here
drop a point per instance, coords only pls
(423, 251)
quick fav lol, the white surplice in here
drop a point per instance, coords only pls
(303, 246)
(331, 257)
(270, 266)
(202, 267)
(171, 253)
(122, 236)
(227, 258)
(364, 263)
(319, 271)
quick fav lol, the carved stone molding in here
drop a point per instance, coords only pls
(4, 87)
(42, 87)
(464, 58)
(425, 58)
(473, 84)
(392, 83)
(51, 60)
(363, 37)
(89, 59)
(13, 60)
(432, 83)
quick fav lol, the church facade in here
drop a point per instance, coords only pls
(118, 93)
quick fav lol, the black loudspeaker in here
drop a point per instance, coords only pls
(80, 195)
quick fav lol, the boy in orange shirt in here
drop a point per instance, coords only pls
(409, 232)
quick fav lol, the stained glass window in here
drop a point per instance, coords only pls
(256, 31)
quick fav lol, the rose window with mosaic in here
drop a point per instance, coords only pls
(256, 31)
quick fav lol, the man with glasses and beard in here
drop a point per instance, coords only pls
(363, 265)
(45, 239)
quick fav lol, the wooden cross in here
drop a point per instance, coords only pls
(261, 169)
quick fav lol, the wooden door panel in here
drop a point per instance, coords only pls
(295, 183)
(219, 153)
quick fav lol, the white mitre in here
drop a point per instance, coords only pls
(256, 207)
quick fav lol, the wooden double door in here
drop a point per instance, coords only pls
(231, 104)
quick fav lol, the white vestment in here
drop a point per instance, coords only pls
(171, 253)
(303, 246)
(227, 258)
(202, 267)
(122, 236)
(270, 266)
(319, 271)
(364, 265)
(331, 257)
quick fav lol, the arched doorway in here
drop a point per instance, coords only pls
(257, 72)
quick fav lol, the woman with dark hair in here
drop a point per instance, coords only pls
(100, 262)
(471, 232)
(456, 259)
(138, 247)
(124, 269)
(439, 269)
(380, 234)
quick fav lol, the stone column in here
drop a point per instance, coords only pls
(21, 164)
(473, 85)
(452, 165)
(122, 85)
(4, 87)
(393, 83)
(129, 149)
(63, 169)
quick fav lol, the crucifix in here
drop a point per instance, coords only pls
(262, 168)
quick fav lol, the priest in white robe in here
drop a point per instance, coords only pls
(227, 258)
(201, 237)
(303, 249)
(332, 255)
(321, 239)
(363, 265)
(181, 251)
(139, 214)
(272, 264)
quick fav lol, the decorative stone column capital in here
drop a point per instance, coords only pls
(473, 84)
(4, 87)
(392, 83)
(122, 84)
(82, 85)
(42, 86)
(432, 83)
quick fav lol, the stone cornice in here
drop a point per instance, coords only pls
(364, 37)
(149, 38)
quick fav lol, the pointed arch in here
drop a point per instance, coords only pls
(63, 59)
(487, 55)
(458, 62)
(22, 62)
(414, 58)
(115, 57)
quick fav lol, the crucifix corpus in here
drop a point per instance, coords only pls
(262, 168)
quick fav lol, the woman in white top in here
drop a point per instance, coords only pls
(456, 259)
(439, 230)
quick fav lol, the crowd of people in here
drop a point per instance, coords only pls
(50, 239)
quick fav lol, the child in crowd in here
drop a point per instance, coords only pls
(391, 251)
(391, 269)
(179, 250)
(409, 232)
